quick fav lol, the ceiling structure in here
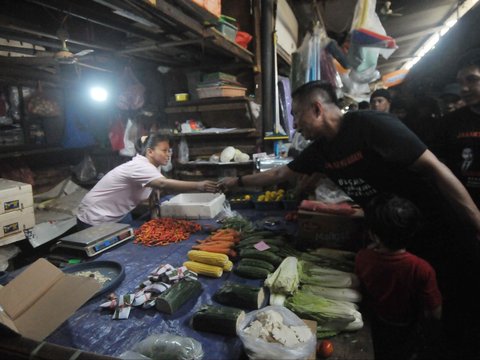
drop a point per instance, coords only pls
(167, 36)
(410, 23)
(108, 32)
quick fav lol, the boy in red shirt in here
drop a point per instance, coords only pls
(400, 288)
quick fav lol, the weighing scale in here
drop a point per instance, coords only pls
(97, 239)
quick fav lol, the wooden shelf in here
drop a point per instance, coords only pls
(213, 104)
(207, 163)
(247, 131)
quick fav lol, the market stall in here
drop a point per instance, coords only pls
(92, 328)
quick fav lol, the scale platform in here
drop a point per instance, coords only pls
(97, 239)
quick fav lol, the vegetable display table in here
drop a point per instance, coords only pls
(93, 330)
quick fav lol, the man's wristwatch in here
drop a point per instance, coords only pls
(240, 181)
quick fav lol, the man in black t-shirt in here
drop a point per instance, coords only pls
(369, 152)
(366, 153)
(461, 133)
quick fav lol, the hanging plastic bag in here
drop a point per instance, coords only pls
(85, 170)
(129, 139)
(132, 94)
(116, 135)
(77, 124)
(43, 104)
(368, 40)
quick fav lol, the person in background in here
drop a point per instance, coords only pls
(424, 118)
(400, 107)
(460, 149)
(451, 99)
(380, 100)
(400, 289)
(364, 105)
(124, 187)
(462, 127)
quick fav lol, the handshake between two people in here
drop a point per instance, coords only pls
(223, 185)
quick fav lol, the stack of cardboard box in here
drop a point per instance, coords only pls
(16, 210)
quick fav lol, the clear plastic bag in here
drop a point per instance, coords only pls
(329, 192)
(257, 348)
(85, 170)
(166, 347)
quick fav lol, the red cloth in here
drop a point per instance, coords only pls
(399, 286)
(318, 206)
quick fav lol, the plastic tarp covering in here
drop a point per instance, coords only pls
(93, 329)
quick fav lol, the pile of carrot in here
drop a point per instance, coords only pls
(221, 241)
(164, 231)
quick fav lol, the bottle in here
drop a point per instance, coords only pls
(183, 153)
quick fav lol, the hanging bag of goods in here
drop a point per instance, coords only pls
(43, 104)
(132, 93)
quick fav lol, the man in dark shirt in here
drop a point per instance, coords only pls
(461, 134)
(365, 153)
(369, 152)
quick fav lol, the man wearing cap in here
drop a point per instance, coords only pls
(380, 100)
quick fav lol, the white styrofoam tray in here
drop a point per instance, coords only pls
(193, 206)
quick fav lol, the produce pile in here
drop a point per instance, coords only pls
(165, 231)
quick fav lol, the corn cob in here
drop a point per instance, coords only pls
(228, 266)
(209, 258)
(204, 269)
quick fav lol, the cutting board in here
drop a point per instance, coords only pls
(313, 326)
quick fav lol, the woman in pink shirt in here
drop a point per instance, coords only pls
(124, 187)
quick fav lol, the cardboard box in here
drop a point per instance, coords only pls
(41, 298)
(333, 231)
(15, 222)
(193, 206)
(214, 6)
(14, 195)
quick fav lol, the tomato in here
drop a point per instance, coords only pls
(325, 349)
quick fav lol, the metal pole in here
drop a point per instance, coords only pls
(267, 64)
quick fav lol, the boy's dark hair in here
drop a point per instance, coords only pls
(150, 142)
(363, 105)
(323, 87)
(393, 219)
(470, 58)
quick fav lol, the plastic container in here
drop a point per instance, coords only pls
(219, 76)
(227, 29)
(240, 204)
(268, 205)
(182, 97)
(221, 91)
(290, 204)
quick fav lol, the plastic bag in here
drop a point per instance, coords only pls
(116, 134)
(328, 192)
(85, 170)
(166, 347)
(132, 95)
(43, 104)
(129, 139)
(257, 348)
